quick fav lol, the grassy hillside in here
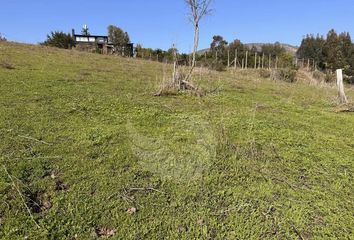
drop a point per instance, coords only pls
(91, 154)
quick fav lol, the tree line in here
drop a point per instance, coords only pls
(222, 54)
(328, 53)
(219, 56)
(335, 51)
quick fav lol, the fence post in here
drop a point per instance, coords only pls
(269, 62)
(228, 58)
(308, 64)
(341, 94)
(235, 63)
(246, 63)
(255, 60)
(259, 62)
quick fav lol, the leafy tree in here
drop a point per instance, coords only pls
(237, 44)
(170, 54)
(345, 42)
(118, 37)
(218, 44)
(273, 49)
(312, 48)
(59, 40)
(240, 47)
(333, 51)
(351, 61)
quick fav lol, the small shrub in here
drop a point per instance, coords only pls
(329, 77)
(286, 74)
(318, 75)
(217, 66)
(264, 73)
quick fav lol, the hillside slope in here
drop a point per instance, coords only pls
(87, 152)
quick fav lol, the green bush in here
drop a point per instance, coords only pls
(59, 40)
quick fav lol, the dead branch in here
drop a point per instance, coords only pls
(144, 190)
(284, 181)
(34, 139)
(296, 231)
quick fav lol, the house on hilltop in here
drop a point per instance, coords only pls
(100, 44)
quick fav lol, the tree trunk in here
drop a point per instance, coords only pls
(195, 49)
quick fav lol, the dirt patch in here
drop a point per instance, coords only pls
(60, 185)
(105, 232)
(38, 201)
(7, 66)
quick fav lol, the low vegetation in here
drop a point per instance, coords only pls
(88, 153)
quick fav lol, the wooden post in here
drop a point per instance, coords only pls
(205, 56)
(157, 57)
(308, 64)
(228, 57)
(246, 60)
(341, 94)
(269, 62)
(235, 63)
(259, 62)
(276, 62)
(263, 61)
(243, 63)
(255, 60)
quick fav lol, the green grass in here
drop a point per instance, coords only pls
(255, 159)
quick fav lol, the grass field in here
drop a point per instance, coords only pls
(87, 152)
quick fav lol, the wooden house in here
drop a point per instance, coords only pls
(101, 44)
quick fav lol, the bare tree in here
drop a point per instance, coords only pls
(199, 9)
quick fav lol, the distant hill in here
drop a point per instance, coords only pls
(289, 48)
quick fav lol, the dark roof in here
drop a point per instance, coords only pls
(95, 36)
